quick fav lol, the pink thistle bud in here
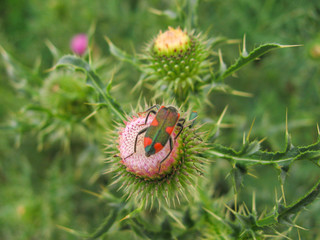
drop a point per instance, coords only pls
(79, 44)
(142, 175)
(138, 163)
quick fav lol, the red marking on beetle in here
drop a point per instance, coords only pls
(158, 147)
(147, 141)
(161, 107)
(178, 115)
(154, 122)
(169, 130)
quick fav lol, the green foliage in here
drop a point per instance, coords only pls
(94, 81)
(53, 122)
(246, 58)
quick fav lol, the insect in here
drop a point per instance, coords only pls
(193, 116)
(159, 132)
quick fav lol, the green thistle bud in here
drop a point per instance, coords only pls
(66, 94)
(140, 175)
(177, 59)
(313, 48)
(314, 51)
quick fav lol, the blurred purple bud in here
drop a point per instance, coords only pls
(79, 44)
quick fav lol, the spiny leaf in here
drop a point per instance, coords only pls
(254, 54)
(248, 157)
(122, 55)
(281, 215)
(139, 230)
(168, 13)
(72, 231)
(20, 75)
(284, 212)
(133, 213)
(93, 80)
(221, 87)
(166, 229)
(104, 227)
(190, 12)
(53, 50)
(295, 207)
(238, 172)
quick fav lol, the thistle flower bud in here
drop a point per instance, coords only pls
(313, 48)
(315, 51)
(63, 102)
(162, 176)
(79, 44)
(171, 42)
(139, 164)
(65, 94)
(177, 59)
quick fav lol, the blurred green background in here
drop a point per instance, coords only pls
(42, 189)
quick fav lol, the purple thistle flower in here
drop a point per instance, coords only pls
(79, 44)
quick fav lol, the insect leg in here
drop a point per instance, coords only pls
(154, 106)
(171, 148)
(181, 121)
(135, 142)
(152, 111)
(180, 125)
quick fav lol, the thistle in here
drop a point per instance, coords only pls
(141, 176)
(79, 44)
(314, 51)
(65, 94)
(176, 60)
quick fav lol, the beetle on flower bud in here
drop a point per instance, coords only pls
(159, 132)
(156, 156)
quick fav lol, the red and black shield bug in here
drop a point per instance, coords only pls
(159, 132)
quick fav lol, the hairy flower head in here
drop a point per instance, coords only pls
(164, 175)
(138, 163)
(172, 41)
(177, 60)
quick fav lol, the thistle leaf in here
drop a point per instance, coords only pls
(93, 80)
(168, 13)
(295, 207)
(21, 76)
(249, 157)
(254, 54)
(122, 55)
(106, 225)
